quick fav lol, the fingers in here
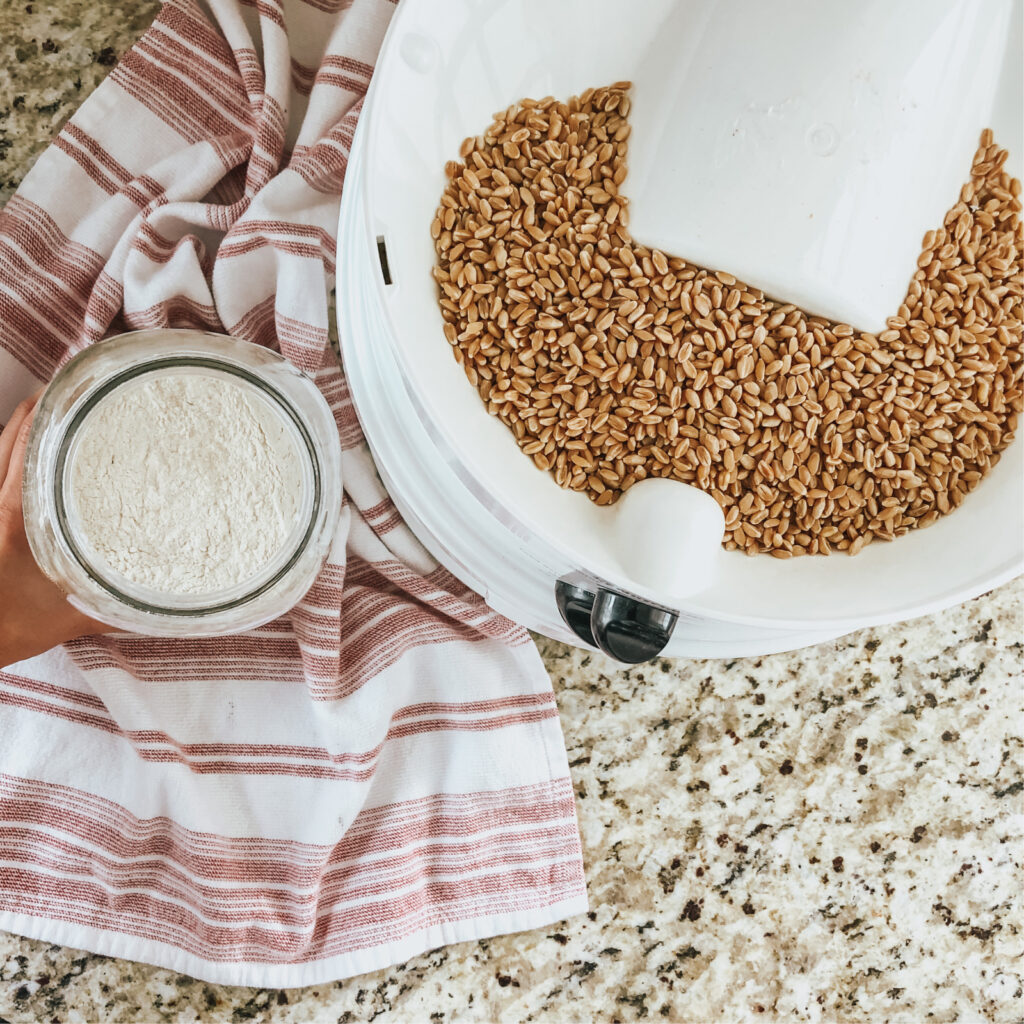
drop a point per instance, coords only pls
(9, 435)
(10, 489)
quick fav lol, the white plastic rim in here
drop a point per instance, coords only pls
(445, 68)
(514, 572)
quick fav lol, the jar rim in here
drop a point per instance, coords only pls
(188, 610)
(63, 549)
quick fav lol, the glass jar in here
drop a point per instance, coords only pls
(59, 543)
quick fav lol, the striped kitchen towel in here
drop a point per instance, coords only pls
(380, 772)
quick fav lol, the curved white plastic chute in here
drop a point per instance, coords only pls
(669, 535)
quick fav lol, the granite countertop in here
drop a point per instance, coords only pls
(829, 835)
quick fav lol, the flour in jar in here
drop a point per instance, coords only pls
(187, 483)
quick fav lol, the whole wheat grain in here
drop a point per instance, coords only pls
(611, 362)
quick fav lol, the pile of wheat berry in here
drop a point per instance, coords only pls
(611, 362)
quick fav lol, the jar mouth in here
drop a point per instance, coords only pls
(188, 606)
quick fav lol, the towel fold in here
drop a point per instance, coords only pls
(377, 773)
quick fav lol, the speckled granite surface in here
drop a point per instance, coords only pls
(52, 55)
(829, 835)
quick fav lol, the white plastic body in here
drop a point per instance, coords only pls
(515, 571)
(445, 68)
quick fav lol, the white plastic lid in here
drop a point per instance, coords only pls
(448, 65)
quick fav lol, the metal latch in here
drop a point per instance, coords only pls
(625, 628)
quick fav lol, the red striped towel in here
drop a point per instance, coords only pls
(381, 771)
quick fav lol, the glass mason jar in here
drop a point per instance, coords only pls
(59, 543)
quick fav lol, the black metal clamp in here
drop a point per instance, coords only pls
(625, 628)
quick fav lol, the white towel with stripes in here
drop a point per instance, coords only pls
(379, 772)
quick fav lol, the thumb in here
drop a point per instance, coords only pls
(10, 490)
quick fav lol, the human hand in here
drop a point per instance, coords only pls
(34, 614)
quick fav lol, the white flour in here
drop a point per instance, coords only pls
(186, 483)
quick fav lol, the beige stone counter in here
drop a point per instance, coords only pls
(828, 835)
